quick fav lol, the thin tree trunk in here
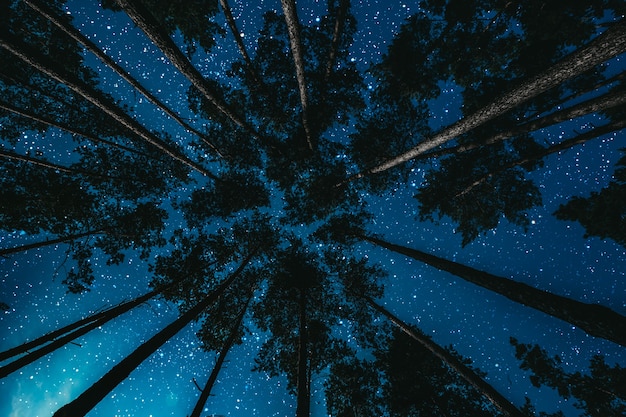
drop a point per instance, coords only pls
(155, 32)
(41, 63)
(501, 403)
(338, 30)
(93, 48)
(107, 314)
(566, 144)
(63, 239)
(304, 390)
(293, 26)
(596, 320)
(593, 105)
(40, 119)
(238, 39)
(609, 44)
(101, 388)
(206, 391)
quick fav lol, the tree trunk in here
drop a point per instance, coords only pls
(155, 32)
(101, 388)
(566, 144)
(464, 371)
(40, 119)
(334, 45)
(10, 251)
(609, 44)
(93, 48)
(206, 392)
(304, 389)
(238, 39)
(596, 320)
(293, 26)
(107, 314)
(593, 105)
(43, 64)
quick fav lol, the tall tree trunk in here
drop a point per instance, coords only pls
(101, 388)
(43, 64)
(72, 171)
(238, 39)
(293, 26)
(155, 32)
(593, 105)
(566, 144)
(70, 30)
(340, 20)
(596, 320)
(463, 370)
(206, 391)
(49, 122)
(107, 314)
(611, 43)
(304, 390)
(62, 239)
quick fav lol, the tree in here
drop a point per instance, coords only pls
(594, 319)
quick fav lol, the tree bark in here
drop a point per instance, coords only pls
(42, 63)
(338, 29)
(93, 48)
(155, 32)
(501, 403)
(293, 26)
(206, 391)
(609, 44)
(593, 105)
(40, 119)
(303, 408)
(101, 388)
(10, 251)
(566, 144)
(109, 314)
(596, 320)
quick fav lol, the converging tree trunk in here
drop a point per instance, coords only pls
(101, 388)
(293, 26)
(596, 320)
(105, 315)
(337, 31)
(238, 39)
(593, 105)
(155, 32)
(206, 391)
(66, 27)
(304, 390)
(609, 44)
(43, 64)
(50, 242)
(501, 403)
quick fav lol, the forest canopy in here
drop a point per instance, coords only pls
(245, 185)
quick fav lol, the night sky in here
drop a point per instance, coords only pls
(552, 255)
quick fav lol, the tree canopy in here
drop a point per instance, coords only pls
(250, 195)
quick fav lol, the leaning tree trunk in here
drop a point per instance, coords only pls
(94, 394)
(40, 119)
(206, 391)
(157, 34)
(596, 320)
(593, 105)
(611, 43)
(43, 64)
(63, 239)
(566, 144)
(337, 31)
(303, 408)
(501, 403)
(100, 317)
(293, 27)
(93, 48)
